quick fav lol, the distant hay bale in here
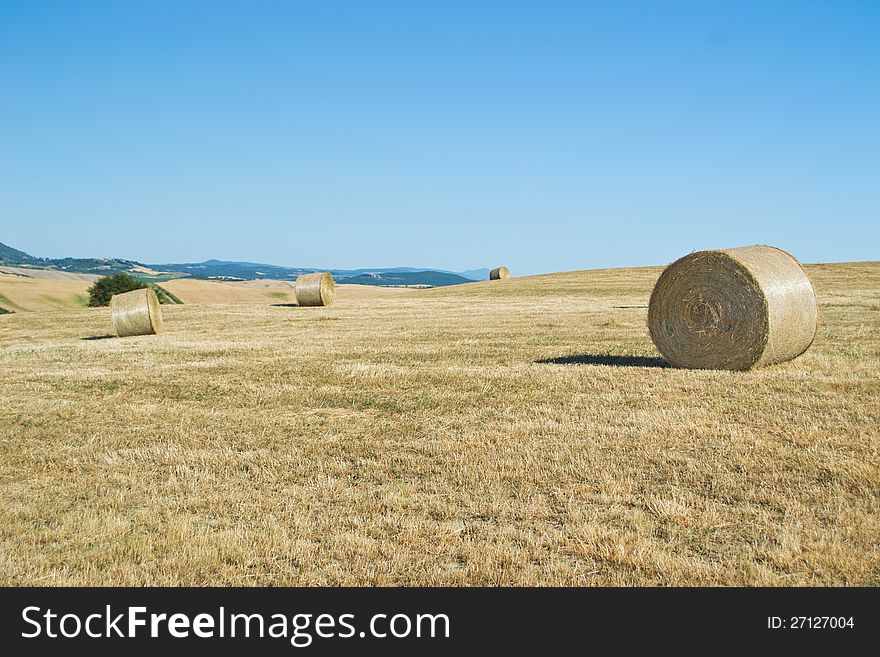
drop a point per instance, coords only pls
(315, 289)
(733, 309)
(499, 273)
(136, 313)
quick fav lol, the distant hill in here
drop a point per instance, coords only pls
(245, 271)
(406, 278)
(101, 266)
(10, 256)
(224, 269)
(475, 274)
(470, 274)
(236, 271)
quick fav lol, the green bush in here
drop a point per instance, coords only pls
(3, 311)
(104, 288)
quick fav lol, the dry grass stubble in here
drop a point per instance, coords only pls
(482, 434)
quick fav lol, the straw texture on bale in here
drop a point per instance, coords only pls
(136, 313)
(315, 289)
(499, 273)
(733, 309)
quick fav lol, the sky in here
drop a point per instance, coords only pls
(545, 136)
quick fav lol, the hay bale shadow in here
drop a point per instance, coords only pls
(606, 359)
(98, 337)
(284, 305)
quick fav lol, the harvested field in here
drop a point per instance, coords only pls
(516, 433)
(47, 274)
(22, 294)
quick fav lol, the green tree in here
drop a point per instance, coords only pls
(104, 288)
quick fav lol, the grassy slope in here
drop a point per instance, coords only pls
(52, 274)
(38, 294)
(43, 294)
(454, 436)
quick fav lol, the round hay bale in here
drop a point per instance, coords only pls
(498, 273)
(315, 289)
(733, 309)
(136, 313)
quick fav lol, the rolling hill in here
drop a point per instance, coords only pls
(390, 276)
(31, 294)
(232, 270)
(102, 266)
(10, 256)
(406, 279)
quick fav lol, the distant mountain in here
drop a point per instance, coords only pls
(10, 256)
(475, 274)
(235, 270)
(224, 269)
(14, 257)
(406, 278)
(470, 274)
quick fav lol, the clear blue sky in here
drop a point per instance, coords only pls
(546, 136)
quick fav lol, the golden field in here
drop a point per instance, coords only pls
(508, 432)
(42, 290)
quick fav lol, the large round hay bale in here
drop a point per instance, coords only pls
(733, 309)
(499, 273)
(316, 289)
(136, 313)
